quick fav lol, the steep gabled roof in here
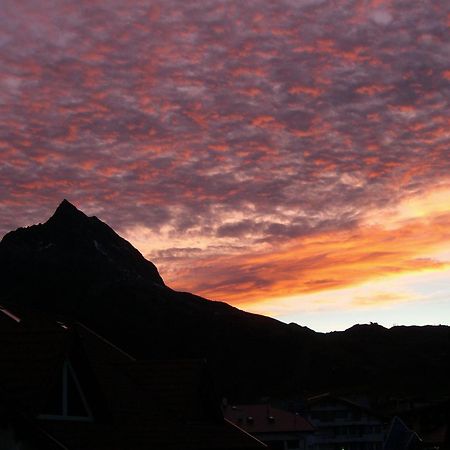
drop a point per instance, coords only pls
(136, 404)
(31, 351)
(400, 437)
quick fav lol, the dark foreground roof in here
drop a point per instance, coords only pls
(135, 404)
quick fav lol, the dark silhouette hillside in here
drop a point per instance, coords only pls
(77, 266)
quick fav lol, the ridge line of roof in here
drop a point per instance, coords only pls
(46, 433)
(352, 403)
(243, 431)
(106, 341)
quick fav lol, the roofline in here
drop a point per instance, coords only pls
(48, 435)
(391, 426)
(320, 397)
(275, 409)
(245, 432)
(106, 341)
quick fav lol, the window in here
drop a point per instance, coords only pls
(377, 428)
(292, 443)
(275, 445)
(67, 400)
(324, 416)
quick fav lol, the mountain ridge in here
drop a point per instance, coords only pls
(78, 266)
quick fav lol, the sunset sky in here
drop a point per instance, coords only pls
(290, 157)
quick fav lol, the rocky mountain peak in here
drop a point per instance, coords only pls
(79, 267)
(75, 247)
(66, 213)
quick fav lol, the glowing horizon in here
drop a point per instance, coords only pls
(361, 268)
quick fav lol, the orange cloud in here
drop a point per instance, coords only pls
(308, 90)
(267, 122)
(248, 72)
(373, 89)
(251, 92)
(408, 243)
(379, 298)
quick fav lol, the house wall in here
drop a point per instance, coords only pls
(9, 440)
(284, 441)
(342, 427)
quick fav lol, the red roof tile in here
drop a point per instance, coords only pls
(266, 419)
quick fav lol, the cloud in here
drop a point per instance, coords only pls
(245, 125)
(396, 243)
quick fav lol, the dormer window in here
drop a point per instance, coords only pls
(67, 400)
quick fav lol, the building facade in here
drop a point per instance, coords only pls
(343, 425)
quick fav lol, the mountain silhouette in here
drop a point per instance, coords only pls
(77, 266)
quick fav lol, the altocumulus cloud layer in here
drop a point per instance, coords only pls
(227, 127)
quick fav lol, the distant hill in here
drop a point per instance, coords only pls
(79, 267)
